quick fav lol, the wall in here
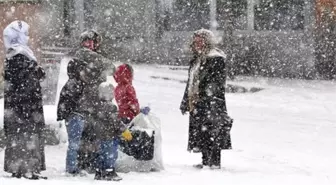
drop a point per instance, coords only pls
(281, 50)
(128, 28)
(325, 37)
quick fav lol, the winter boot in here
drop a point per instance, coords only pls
(34, 176)
(205, 160)
(17, 175)
(198, 166)
(80, 173)
(215, 167)
(111, 175)
(99, 175)
(215, 161)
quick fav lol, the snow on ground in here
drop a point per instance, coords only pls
(284, 134)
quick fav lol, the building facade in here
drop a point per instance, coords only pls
(261, 37)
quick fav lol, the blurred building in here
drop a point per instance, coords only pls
(261, 37)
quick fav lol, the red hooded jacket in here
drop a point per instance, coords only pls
(125, 93)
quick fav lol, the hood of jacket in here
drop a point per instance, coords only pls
(124, 74)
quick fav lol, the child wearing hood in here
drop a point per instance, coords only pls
(125, 94)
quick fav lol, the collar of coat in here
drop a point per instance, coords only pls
(215, 52)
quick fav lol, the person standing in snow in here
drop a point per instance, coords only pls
(125, 94)
(23, 116)
(102, 114)
(204, 99)
(85, 70)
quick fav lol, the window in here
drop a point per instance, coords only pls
(189, 15)
(89, 20)
(279, 15)
(238, 13)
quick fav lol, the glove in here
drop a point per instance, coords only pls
(41, 75)
(127, 135)
(145, 110)
(183, 108)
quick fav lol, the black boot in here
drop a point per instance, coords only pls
(205, 160)
(34, 176)
(99, 175)
(111, 175)
(215, 161)
(17, 175)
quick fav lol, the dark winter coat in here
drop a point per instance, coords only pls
(23, 116)
(208, 119)
(86, 69)
(105, 121)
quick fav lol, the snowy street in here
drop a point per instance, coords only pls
(282, 135)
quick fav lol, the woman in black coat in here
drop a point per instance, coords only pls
(204, 99)
(23, 115)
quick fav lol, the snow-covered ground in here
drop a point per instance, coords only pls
(282, 135)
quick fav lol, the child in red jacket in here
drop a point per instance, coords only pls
(125, 94)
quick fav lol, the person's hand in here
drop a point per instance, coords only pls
(145, 110)
(183, 108)
(127, 135)
(40, 73)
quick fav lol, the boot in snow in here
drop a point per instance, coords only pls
(81, 173)
(111, 175)
(17, 175)
(198, 166)
(215, 167)
(34, 176)
(99, 175)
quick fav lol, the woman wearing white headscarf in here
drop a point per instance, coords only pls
(23, 115)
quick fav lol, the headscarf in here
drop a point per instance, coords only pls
(207, 37)
(16, 37)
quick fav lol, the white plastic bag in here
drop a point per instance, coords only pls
(145, 123)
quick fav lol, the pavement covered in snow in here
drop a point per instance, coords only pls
(284, 134)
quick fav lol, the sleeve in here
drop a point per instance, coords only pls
(74, 68)
(40, 73)
(184, 103)
(112, 117)
(133, 100)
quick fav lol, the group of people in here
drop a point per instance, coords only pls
(96, 126)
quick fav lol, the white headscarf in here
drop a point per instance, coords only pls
(16, 36)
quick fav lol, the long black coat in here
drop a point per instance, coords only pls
(23, 116)
(209, 121)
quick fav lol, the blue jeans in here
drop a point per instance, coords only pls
(75, 127)
(107, 154)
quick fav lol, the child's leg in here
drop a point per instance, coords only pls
(216, 157)
(110, 154)
(99, 162)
